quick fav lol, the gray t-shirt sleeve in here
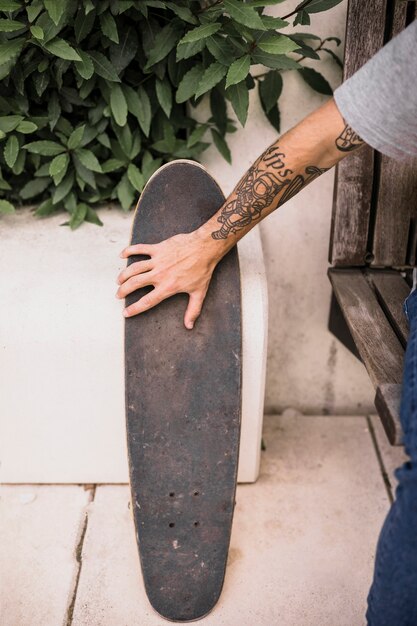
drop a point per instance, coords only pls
(379, 102)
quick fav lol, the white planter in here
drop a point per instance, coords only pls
(61, 337)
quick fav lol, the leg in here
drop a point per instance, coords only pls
(392, 599)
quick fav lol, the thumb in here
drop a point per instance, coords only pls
(195, 304)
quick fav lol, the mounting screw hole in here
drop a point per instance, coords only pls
(171, 524)
(196, 523)
(196, 493)
(171, 494)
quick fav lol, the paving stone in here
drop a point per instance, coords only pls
(40, 528)
(302, 545)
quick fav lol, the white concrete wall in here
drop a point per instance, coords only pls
(307, 367)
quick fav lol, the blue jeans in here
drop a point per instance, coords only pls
(392, 600)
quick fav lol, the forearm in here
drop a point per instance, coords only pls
(298, 157)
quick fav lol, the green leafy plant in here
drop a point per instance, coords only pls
(95, 95)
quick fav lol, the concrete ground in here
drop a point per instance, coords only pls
(301, 554)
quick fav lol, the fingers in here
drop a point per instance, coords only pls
(139, 248)
(195, 304)
(151, 299)
(133, 269)
(136, 282)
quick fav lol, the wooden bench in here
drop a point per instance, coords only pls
(374, 231)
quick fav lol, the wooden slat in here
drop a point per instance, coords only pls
(387, 402)
(397, 189)
(392, 290)
(396, 196)
(352, 201)
(378, 345)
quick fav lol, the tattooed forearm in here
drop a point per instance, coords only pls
(258, 189)
(348, 140)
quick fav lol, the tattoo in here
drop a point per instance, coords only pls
(257, 190)
(348, 140)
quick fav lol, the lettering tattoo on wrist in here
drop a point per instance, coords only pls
(348, 140)
(257, 190)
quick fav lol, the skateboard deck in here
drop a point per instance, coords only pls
(183, 404)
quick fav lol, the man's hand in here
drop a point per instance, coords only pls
(182, 264)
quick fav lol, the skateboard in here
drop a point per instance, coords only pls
(183, 405)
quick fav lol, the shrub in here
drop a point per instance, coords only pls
(94, 94)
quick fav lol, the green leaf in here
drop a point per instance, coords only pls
(221, 145)
(316, 81)
(238, 70)
(164, 95)
(33, 11)
(54, 110)
(37, 32)
(88, 159)
(212, 75)
(45, 208)
(43, 170)
(183, 12)
(109, 26)
(334, 56)
(26, 127)
(11, 150)
(187, 50)
(63, 188)
(276, 44)
(221, 49)
(9, 26)
(139, 105)
(70, 202)
(270, 90)
(189, 83)
(61, 48)
(201, 32)
(243, 14)
(20, 163)
(6, 207)
(149, 164)
(8, 5)
(239, 98)
(45, 148)
(85, 67)
(135, 177)
(10, 49)
(316, 6)
(335, 39)
(79, 215)
(9, 122)
(273, 117)
(124, 137)
(163, 43)
(196, 135)
(58, 164)
(274, 61)
(103, 66)
(4, 185)
(55, 9)
(125, 193)
(218, 110)
(34, 188)
(273, 22)
(83, 24)
(123, 53)
(111, 165)
(92, 217)
(118, 105)
(302, 18)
